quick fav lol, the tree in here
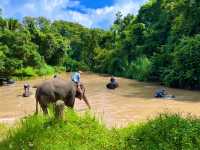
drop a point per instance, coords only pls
(43, 24)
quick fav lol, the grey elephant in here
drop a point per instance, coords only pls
(57, 89)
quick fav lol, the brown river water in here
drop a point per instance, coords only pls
(133, 101)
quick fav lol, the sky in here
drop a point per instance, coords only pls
(90, 13)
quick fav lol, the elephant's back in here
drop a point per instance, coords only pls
(62, 84)
(45, 88)
(56, 87)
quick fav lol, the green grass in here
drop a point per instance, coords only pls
(3, 131)
(38, 132)
(165, 132)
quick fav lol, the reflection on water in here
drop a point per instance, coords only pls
(132, 101)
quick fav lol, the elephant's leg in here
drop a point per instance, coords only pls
(44, 100)
(69, 101)
(44, 109)
(36, 112)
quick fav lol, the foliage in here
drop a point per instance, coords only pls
(28, 71)
(140, 69)
(151, 45)
(45, 70)
(3, 131)
(166, 131)
(38, 132)
(185, 69)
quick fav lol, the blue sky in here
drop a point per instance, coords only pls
(90, 13)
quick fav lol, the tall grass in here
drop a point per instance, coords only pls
(165, 132)
(3, 131)
(38, 132)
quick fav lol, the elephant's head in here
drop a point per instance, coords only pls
(78, 94)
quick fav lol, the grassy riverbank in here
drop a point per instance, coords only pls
(166, 131)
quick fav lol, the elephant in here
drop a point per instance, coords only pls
(57, 89)
(112, 85)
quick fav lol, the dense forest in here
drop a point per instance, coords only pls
(161, 43)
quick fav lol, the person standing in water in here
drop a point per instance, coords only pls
(26, 90)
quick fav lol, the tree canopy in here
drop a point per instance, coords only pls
(160, 43)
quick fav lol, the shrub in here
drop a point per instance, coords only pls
(164, 132)
(185, 70)
(38, 132)
(73, 65)
(45, 70)
(3, 131)
(26, 72)
(59, 69)
(140, 69)
(160, 63)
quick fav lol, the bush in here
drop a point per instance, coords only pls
(45, 70)
(3, 131)
(140, 69)
(73, 65)
(33, 72)
(59, 69)
(160, 63)
(26, 72)
(185, 70)
(165, 132)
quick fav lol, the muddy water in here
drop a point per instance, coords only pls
(132, 102)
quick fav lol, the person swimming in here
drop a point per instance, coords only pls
(112, 80)
(113, 83)
(162, 93)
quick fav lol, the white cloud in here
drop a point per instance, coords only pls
(61, 9)
(104, 17)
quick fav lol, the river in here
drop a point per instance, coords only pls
(133, 101)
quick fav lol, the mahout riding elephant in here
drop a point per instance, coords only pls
(57, 89)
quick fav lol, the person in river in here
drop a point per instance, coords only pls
(76, 76)
(162, 93)
(113, 83)
(26, 90)
(113, 80)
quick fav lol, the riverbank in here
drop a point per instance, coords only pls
(166, 131)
